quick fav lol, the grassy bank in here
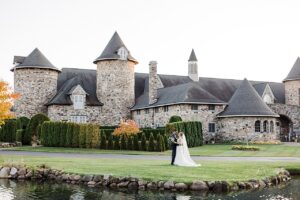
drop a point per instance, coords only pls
(282, 150)
(156, 169)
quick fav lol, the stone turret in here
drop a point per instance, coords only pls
(292, 85)
(115, 80)
(35, 79)
(193, 66)
(153, 82)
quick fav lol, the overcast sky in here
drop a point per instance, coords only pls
(257, 39)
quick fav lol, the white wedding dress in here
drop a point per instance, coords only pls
(183, 157)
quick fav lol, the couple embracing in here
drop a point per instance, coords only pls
(180, 152)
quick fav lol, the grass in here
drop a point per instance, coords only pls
(281, 150)
(156, 169)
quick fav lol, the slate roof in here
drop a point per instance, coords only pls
(294, 74)
(110, 52)
(70, 78)
(35, 59)
(246, 102)
(193, 56)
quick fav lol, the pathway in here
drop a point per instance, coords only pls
(150, 157)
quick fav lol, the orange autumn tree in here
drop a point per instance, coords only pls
(128, 128)
(6, 101)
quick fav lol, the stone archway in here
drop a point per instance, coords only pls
(286, 128)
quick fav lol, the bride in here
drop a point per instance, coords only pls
(183, 157)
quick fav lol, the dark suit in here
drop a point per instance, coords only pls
(173, 147)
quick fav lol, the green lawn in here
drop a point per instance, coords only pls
(281, 150)
(156, 169)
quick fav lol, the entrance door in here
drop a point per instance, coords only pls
(286, 128)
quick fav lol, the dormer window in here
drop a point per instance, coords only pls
(123, 53)
(78, 101)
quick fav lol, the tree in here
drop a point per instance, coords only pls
(6, 101)
(175, 118)
(127, 128)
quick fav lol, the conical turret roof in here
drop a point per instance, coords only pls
(193, 56)
(111, 50)
(247, 102)
(35, 59)
(295, 72)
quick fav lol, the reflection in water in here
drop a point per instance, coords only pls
(25, 190)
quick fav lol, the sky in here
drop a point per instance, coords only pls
(235, 39)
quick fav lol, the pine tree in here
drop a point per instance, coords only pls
(151, 142)
(103, 142)
(143, 142)
(136, 143)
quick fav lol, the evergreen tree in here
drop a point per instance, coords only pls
(143, 142)
(123, 142)
(136, 143)
(103, 142)
(151, 142)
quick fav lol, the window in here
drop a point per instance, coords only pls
(194, 107)
(146, 111)
(272, 127)
(265, 126)
(166, 108)
(123, 53)
(78, 101)
(138, 112)
(211, 127)
(267, 99)
(257, 126)
(211, 107)
(156, 110)
(78, 119)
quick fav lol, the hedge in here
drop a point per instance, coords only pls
(31, 129)
(22, 122)
(8, 131)
(175, 118)
(192, 130)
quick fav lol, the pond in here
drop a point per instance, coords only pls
(47, 191)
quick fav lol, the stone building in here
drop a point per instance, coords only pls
(228, 109)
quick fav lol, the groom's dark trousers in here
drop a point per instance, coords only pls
(173, 146)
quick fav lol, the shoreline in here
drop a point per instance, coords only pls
(43, 173)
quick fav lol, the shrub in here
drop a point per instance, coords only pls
(155, 132)
(143, 143)
(103, 142)
(91, 136)
(110, 144)
(192, 130)
(160, 144)
(69, 135)
(31, 129)
(267, 142)
(136, 143)
(166, 142)
(175, 118)
(8, 131)
(151, 143)
(130, 143)
(45, 132)
(76, 133)
(123, 142)
(22, 122)
(82, 136)
(63, 134)
(19, 134)
(244, 148)
(117, 143)
(127, 128)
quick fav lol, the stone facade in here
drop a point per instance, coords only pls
(36, 87)
(153, 82)
(193, 70)
(63, 113)
(159, 117)
(115, 89)
(292, 92)
(241, 128)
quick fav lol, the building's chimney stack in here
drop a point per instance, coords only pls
(153, 82)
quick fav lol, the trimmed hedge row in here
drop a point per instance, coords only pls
(65, 134)
(32, 128)
(192, 130)
(8, 131)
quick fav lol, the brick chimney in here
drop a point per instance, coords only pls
(153, 82)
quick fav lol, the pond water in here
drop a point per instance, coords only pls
(47, 191)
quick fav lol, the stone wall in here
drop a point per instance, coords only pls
(63, 113)
(161, 118)
(292, 92)
(36, 87)
(237, 129)
(115, 89)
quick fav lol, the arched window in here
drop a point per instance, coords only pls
(272, 127)
(266, 128)
(257, 126)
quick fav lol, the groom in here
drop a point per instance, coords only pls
(174, 145)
